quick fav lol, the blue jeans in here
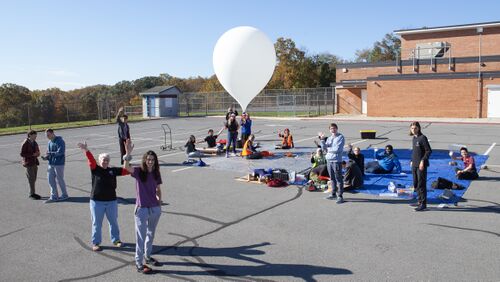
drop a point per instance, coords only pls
(335, 172)
(53, 172)
(146, 220)
(97, 211)
(231, 138)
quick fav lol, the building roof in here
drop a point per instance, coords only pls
(351, 84)
(158, 90)
(446, 28)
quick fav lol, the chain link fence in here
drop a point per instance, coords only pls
(304, 102)
(32, 113)
(272, 102)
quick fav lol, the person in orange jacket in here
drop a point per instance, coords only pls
(249, 150)
(286, 140)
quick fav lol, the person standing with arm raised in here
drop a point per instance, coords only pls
(103, 197)
(334, 145)
(147, 206)
(421, 152)
(123, 131)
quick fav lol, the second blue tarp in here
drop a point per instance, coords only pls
(377, 184)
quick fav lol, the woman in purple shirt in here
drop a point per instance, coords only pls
(147, 205)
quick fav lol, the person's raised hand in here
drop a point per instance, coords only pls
(82, 146)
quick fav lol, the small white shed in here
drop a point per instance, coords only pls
(160, 101)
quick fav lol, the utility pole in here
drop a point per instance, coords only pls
(479, 30)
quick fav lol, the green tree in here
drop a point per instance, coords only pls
(363, 55)
(291, 61)
(147, 82)
(211, 84)
(43, 107)
(387, 49)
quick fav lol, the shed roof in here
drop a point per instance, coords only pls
(157, 90)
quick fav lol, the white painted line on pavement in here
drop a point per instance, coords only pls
(489, 149)
(360, 141)
(181, 169)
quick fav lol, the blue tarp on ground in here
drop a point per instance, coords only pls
(376, 184)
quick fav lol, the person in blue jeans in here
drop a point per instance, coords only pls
(246, 126)
(103, 197)
(55, 170)
(147, 206)
(232, 134)
(334, 146)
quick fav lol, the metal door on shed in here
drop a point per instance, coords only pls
(171, 106)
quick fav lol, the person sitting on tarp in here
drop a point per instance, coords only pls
(387, 162)
(356, 155)
(353, 176)
(249, 151)
(317, 159)
(211, 140)
(286, 140)
(469, 172)
(191, 150)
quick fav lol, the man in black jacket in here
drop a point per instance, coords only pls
(421, 151)
(123, 131)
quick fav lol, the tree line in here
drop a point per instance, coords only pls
(295, 69)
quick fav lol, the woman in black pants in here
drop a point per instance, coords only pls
(421, 151)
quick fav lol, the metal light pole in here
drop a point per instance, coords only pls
(479, 30)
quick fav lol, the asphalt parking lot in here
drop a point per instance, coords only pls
(215, 228)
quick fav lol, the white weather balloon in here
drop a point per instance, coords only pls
(244, 60)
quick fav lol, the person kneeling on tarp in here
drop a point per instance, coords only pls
(353, 177)
(249, 150)
(469, 172)
(286, 140)
(387, 162)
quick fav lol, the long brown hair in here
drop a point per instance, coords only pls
(416, 124)
(143, 174)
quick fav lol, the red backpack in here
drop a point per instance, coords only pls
(276, 183)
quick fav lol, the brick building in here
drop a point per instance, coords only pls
(448, 71)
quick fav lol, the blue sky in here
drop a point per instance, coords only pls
(73, 44)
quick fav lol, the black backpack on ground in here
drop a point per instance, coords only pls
(443, 183)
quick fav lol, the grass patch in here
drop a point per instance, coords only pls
(60, 125)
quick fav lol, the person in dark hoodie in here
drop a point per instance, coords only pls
(55, 170)
(353, 177)
(30, 153)
(421, 152)
(358, 157)
(123, 131)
